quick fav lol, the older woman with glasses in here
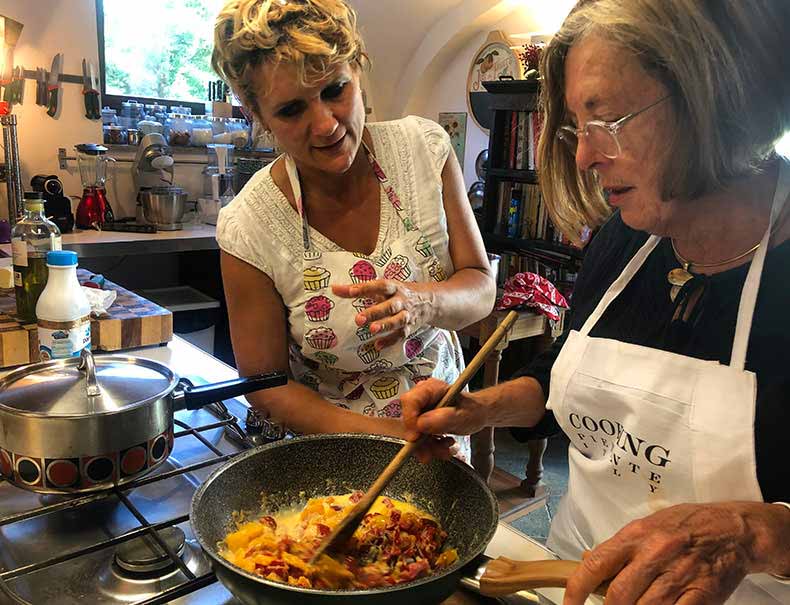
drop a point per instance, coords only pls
(672, 383)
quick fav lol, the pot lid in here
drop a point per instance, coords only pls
(64, 387)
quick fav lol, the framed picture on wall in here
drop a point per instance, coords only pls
(455, 125)
(495, 60)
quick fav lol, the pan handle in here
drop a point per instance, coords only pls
(192, 398)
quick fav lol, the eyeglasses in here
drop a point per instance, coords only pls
(600, 135)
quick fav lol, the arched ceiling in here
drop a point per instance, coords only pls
(408, 40)
(393, 29)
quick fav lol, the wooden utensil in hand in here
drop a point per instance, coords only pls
(344, 530)
(504, 576)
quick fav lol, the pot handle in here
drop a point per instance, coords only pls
(193, 398)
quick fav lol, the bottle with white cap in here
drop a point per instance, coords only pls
(63, 310)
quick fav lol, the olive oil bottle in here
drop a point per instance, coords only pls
(31, 239)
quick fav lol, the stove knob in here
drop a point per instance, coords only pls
(254, 422)
(262, 430)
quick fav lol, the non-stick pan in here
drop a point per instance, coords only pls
(287, 473)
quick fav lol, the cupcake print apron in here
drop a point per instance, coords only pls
(337, 358)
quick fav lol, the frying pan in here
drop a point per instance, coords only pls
(286, 474)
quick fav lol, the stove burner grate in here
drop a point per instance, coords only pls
(143, 555)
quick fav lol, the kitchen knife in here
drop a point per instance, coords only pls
(19, 85)
(41, 86)
(53, 85)
(90, 91)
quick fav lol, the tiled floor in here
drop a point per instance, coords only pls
(511, 456)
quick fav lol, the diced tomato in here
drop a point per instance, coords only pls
(322, 530)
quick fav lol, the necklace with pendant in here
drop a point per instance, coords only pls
(678, 277)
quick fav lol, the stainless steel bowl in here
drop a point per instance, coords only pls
(164, 206)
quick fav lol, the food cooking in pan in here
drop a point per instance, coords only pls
(395, 543)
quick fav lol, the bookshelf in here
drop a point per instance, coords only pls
(513, 219)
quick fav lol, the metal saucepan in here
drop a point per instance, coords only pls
(90, 423)
(288, 472)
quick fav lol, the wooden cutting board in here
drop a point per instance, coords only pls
(133, 322)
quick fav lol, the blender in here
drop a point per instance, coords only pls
(219, 173)
(93, 210)
(217, 182)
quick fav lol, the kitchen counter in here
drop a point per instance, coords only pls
(92, 244)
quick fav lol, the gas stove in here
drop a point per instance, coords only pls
(132, 544)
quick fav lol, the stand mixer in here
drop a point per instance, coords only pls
(152, 168)
(159, 203)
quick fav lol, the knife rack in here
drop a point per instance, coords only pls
(71, 79)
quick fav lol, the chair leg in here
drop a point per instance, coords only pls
(483, 453)
(536, 448)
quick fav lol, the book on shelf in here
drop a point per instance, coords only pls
(511, 163)
(514, 213)
(530, 136)
(504, 195)
(521, 132)
(536, 123)
(522, 147)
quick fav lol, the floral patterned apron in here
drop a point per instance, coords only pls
(337, 358)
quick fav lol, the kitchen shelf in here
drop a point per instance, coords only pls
(512, 86)
(503, 242)
(518, 176)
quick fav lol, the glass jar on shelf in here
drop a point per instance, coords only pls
(114, 135)
(127, 123)
(181, 109)
(178, 129)
(109, 116)
(219, 128)
(239, 132)
(148, 126)
(202, 134)
(132, 109)
(160, 113)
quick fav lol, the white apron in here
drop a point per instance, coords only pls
(650, 429)
(336, 357)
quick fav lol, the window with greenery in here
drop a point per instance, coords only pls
(157, 49)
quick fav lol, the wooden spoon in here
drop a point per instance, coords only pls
(348, 525)
(504, 576)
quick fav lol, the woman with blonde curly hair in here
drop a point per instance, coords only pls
(672, 383)
(353, 256)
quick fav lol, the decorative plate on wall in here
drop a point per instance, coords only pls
(494, 60)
